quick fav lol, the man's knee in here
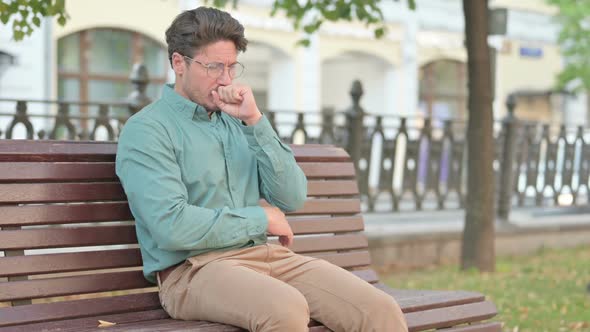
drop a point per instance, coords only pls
(285, 314)
(384, 314)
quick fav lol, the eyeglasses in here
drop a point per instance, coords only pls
(216, 69)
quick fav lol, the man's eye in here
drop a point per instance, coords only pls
(216, 66)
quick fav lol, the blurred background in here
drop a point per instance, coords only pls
(398, 104)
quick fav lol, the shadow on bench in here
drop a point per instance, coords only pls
(66, 230)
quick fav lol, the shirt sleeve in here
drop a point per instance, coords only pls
(282, 183)
(151, 177)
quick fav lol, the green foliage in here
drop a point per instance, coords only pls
(26, 14)
(574, 39)
(542, 292)
(309, 15)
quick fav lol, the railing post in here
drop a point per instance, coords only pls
(21, 116)
(327, 134)
(139, 78)
(507, 169)
(354, 123)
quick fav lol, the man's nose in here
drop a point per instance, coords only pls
(224, 78)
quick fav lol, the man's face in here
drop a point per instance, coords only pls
(192, 80)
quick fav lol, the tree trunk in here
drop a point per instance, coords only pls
(478, 236)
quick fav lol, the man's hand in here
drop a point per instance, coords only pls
(238, 101)
(278, 225)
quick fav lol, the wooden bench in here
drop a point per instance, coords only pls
(66, 230)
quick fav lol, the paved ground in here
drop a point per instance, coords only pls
(452, 221)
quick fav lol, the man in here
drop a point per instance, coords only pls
(194, 165)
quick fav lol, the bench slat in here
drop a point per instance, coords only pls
(67, 237)
(169, 325)
(329, 206)
(120, 235)
(56, 172)
(112, 191)
(319, 153)
(29, 215)
(332, 188)
(419, 300)
(444, 317)
(77, 324)
(61, 192)
(103, 282)
(43, 312)
(105, 171)
(125, 234)
(315, 170)
(326, 224)
(159, 319)
(69, 262)
(306, 245)
(47, 150)
(64, 151)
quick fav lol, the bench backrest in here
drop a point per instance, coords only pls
(66, 228)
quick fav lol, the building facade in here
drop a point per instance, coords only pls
(418, 68)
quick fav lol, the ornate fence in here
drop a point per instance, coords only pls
(403, 163)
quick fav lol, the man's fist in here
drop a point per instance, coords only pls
(238, 101)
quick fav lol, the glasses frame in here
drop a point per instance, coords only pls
(208, 66)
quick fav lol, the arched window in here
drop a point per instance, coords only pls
(94, 65)
(443, 89)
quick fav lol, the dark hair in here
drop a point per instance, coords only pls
(194, 29)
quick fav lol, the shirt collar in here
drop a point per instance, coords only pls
(184, 106)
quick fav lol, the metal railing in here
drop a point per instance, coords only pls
(402, 162)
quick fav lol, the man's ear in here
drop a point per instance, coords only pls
(178, 63)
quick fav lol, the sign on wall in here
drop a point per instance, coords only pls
(531, 52)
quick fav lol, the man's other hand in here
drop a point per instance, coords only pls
(278, 225)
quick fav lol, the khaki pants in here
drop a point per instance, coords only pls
(270, 288)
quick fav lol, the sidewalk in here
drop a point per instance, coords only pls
(452, 221)
(409, 240)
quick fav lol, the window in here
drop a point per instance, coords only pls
(443, 89)
(94, 65)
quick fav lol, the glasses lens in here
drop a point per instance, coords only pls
(236, 70)
(215, 69)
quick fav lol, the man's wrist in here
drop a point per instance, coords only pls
(253, 120)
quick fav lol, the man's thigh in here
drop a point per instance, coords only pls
(227, 291)
(338, 298)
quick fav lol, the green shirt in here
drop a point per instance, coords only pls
(194, 182)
